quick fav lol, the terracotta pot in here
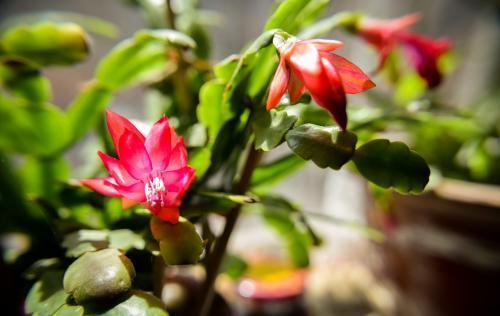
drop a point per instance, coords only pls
(442, 253)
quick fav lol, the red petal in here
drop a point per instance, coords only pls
(403, 22)
(278, 85)
(354, 79)
(323, 44)
(116, 169)
(133, 155)
(178, 158)
(126, 203)
(338, 104)
(167, 214)
(158, 144)
(134, 192)
(321, 79)
(101, 185)
(295, 87)
(117, 125)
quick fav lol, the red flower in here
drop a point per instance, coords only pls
(423, 52)
(310, 65)
(151, 170)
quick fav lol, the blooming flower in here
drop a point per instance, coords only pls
(310, 65)
(151, 170)
(423, 52)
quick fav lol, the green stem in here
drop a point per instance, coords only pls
(215, 259)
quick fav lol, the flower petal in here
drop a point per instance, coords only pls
(354, 79)
(117, 125)
(178, 157)
(424, 53)
(278, 85)
(321, 79)
(101, 185)
(324, 44)
(295, 87)
(126, 203)
(168, 214)
(337, 105)
(133, 155)
(178, 181)
(116, 169)
(134, 192)
(158, 144)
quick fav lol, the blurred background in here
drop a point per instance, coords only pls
(472, 26)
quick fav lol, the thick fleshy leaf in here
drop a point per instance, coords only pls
(101, 185)
(116, 169)
(212, 112)
(47, 295)
(278, 85)
(354, 80)
(265, 176)
(270, 128)
(86, 110)
(139, 302)
(326, 147)
(99, 275)
(47, 43)
(291, 15)
(141, 59)
(179, 243)
(158, 144)
(134, 156)
(117, 125)
(392, 164)
(84, 240)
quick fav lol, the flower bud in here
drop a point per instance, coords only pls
(98, 275)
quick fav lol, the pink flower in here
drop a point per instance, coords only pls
(310, 65)
(151, 171)
(423, 52)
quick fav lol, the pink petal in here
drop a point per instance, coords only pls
(134, 192)
(403, 22)
(424, 53)
(354, 79)
(323, 44)
(101, 185)
(158, 144)
(178, 157)
(116, 169)
(133, 155)
(178, 180)
(168, 214)
(295, 88)
(278, 85)
(117, 125)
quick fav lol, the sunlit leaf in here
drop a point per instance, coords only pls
(47, 295)
(87, 109)
(270, 128)
(265, 176)
(392, 164)
(326, 147)
(47, 43)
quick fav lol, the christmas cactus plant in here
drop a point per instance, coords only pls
(94, 242)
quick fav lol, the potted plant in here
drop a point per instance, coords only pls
(104, 251)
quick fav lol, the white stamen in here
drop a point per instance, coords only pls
(155, 191)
